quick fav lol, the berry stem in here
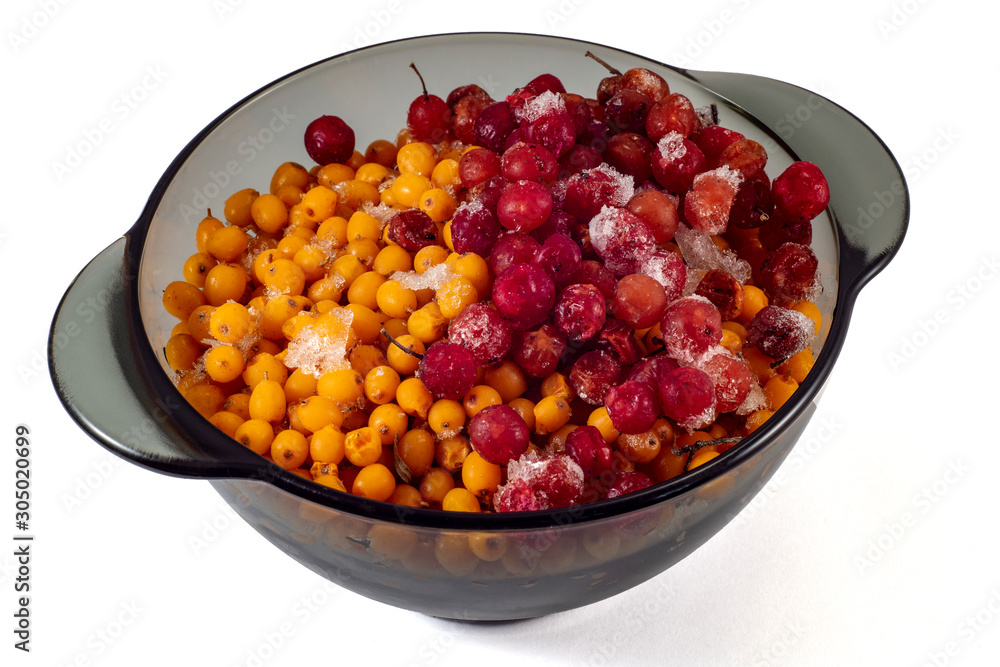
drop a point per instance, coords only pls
(695, 446)
(606, 66)
(401, 346)
(422, 84)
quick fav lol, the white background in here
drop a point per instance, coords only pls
(878, 546)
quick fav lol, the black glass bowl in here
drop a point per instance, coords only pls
(115, 383)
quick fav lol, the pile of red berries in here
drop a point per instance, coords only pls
(647, 286)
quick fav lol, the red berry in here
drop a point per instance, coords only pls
(448, 370)
(499, 434)
(800, 192)
(329, 139)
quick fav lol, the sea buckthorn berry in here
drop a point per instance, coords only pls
(392, 258)
(731, 341)
(312, 259)
(407, 188)
(225, 282)
(197, 266)
(380, 384)
(602, 420)
(429, 256)
(238, 404)
(460, 500)
(269, 213)
(395, 300)
(779, 389)
(754, 300)
(363, 446)
(363, 358)
(760, 364)
(237, 207)
(230, 322)
(199, 324)
(427, 324)
(416, 450)
(205, 229)
(435, 485)
(317, 412)
(639, 447)
(405, 495)
(450, 452)
(372, 173)
(224, 363)
(182, 351)
(455, 295)
(207, 399)
(319, 203)
(277, 311)
(364, 249)
(403, 361)
(445, 174)
(289, 449)
(267, 402)
(756, 420)
(333, 230)
(296, 323)
(363, 226)
(414, 398)
(365, 323)
(363, 289)
(446, 416)
(437, 204)
(489, 547)
(798, 365)
(381, 152)
(374, 481)
(256, 434)
(347, 268)
(355, 193)
(344, 385)
(810, 310)
(701, 457)
(556, 384)
(327, 444)
(479, 397)
(331, 174)
(180, 298)
(283, 276)
(289, 173)
(418, 157)
(290, 245)
(551, 414)
(526, 409)
(474, 267)
(331, 481)
(390, 421)
(508, 379)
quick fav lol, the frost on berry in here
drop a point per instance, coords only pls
(780, 332)
(701, 253)
(707, 205)
(318, 349)
(433, 278)
(480, 329)
(448, 370)
(621, 239)
(540, 482)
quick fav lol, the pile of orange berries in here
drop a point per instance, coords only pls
(310, 260)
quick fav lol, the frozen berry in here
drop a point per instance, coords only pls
(448, 370)
(329, 139)
(499, 434)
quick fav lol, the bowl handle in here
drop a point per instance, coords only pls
(869, 200)
(99, 378)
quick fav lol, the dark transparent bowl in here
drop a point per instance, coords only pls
(115, 383)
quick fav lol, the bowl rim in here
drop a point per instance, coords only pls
(269, 472)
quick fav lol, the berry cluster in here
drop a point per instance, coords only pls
(521, 304)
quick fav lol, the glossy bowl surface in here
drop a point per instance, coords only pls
(474, 567)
